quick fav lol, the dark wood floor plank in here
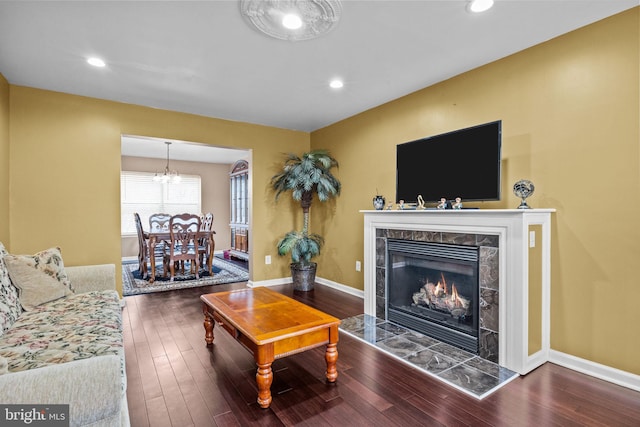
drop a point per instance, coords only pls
(195, 401)
(227, 420)
(412, 417)
(158, 413)
(175, 380)
(213, 398)
(137, 407)
(148, 376)
(176, 405)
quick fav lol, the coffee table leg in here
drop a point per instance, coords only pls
(264, 378)
(331, 356)
(208, 326)
(264, 357)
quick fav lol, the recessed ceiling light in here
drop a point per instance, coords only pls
(336, 84)
(96, 62)
(480, 5)
(291, 21)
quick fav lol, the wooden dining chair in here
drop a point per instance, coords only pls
(206, 243)
(184, 244)
(159, 222)
(143, 250)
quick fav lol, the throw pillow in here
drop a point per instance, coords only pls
(10, 307)
(35, 286)
(48, 261)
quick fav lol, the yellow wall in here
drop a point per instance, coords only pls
(65, 167)
(4, 161)
(570, 112)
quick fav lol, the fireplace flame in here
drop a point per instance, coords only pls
(441, 290)
(437, 296)
(456, 299)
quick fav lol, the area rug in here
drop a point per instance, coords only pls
(223, 272)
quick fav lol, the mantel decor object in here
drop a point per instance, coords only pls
(523, 189)
(378, 202)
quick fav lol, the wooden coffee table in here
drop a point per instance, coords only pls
(271, 325)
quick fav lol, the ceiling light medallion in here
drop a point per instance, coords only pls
(171, 176)
(292, 20)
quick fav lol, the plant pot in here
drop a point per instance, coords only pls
(303, 275)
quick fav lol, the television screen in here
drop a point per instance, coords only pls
(464, 163)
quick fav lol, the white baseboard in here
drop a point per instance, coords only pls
(339, 286)
(271, 282)
(326, 282)
(603, 372)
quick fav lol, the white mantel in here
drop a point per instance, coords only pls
(513, 227)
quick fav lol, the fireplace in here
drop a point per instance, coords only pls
(433, 288)
(513, 272)
(468, 261)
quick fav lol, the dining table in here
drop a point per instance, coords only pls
(156, 237)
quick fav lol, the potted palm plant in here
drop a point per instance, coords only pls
(305, 176)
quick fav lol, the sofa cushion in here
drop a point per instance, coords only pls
(72, 328)
(48, 261)
(35, 287)
(10, 307)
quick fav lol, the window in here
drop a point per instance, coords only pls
(140, 193)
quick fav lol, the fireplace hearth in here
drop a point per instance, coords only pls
(433, 288)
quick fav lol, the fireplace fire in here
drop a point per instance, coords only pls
(434, 289)
(439, 297)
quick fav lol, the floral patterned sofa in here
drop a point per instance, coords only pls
(61, 338)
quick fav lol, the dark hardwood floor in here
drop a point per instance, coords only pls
(175, 380)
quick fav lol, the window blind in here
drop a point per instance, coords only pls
(140, 193)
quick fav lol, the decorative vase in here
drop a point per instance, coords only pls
(303, 275)
(378, 202)
(523, 189)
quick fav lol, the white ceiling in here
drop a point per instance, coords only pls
(202, 57)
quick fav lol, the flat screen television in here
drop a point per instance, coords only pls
(464, 163)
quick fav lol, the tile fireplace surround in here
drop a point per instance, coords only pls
(515, 327)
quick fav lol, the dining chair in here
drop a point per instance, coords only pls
(159, 222)
(204, 249)
(184, 245)
(143, 247)
(143, 255)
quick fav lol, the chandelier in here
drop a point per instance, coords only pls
(171, 176)
(292, 19)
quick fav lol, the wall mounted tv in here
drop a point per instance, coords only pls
(464, 163)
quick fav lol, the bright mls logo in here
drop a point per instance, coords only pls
(34, 415)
